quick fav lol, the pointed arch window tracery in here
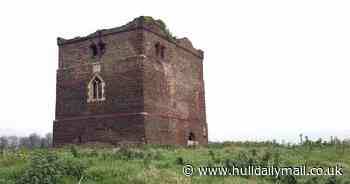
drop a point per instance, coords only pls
(96, 89)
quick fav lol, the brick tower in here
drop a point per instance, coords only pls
(132, 84)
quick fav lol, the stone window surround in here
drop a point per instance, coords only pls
(159, 50)
(97, 50)
(91, 89)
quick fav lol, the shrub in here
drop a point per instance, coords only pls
(44, 168)
(213, 157)
(254, 152)
(289, 179)
(147, 160)
(244, 159)
(2, 152)
(74, 168)
(333, 180)
(3, 181)
(266, 157)
(125, 153)
(74, 151)
(162, 25)
(157, 155)
(88, 154)
(180, 161)
(276, 158)
(313, 180)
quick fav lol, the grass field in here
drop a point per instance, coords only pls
(100, 164)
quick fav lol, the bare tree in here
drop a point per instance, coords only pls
(24, 142)
(34, 140)
(3, 142)
(13, 141)
(307, 139)
(301, 139)
(48, 138)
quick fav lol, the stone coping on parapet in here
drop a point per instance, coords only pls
(137, 24)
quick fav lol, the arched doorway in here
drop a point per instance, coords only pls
(80, 139)
(191, 139)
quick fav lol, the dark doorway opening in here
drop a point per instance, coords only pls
(80, 140)
(191, 137)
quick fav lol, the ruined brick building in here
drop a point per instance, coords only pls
(131, 84)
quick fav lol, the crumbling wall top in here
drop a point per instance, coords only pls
(147, 23)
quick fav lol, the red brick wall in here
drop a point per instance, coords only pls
(173, 92)
(148, 99)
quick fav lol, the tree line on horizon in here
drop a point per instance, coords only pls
(34, 140)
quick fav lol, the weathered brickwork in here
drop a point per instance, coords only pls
(153, 88)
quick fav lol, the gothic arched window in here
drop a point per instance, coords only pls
(94, 50)
(96, 89)
(98, 49)
(160, 50)
(157, 47)
(102, 47)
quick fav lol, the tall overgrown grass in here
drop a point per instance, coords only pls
(163, 164)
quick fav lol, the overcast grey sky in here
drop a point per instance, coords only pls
(273, 69)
